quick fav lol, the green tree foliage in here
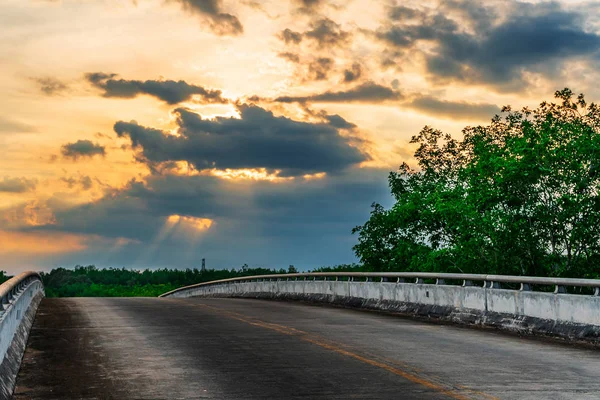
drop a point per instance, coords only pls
(519, 196)
(90, 281)
(4, 277)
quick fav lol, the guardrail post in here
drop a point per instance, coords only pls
(526, 287)
(597, 291)
(439, 281)
(494, 285)
(419, 281)
(560, 289)
(400, 280)
(468, 283)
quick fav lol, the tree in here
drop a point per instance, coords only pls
(4, 277)
(519, 196)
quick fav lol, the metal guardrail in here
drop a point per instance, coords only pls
(19, 299)
(489, 281)
(10, 289)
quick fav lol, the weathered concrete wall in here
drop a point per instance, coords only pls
(15, 322)
(526, 312)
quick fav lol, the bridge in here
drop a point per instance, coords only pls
(331, 336)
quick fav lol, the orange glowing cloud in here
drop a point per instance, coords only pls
(197, 224)
(40, 242)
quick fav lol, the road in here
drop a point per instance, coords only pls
(146, 348)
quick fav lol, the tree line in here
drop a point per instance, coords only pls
(89, 281)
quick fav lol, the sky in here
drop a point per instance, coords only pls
(155, 133)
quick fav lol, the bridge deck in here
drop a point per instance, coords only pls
(102, 348)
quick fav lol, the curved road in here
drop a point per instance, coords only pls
(145, 348)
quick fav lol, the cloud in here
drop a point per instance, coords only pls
(257, 139)
(171, 92)
(270, 223)
(339, 122)
(292, 57)
(82, 148)
(327, 34)
(51, 86)
(399, 13)
(309, 6)
(289, 36)
(27, 214)
(333, 119)
(85, 182)
(368, 92)
(492, 43)
(11, 126)
(17, 185)
(319, 68)
(454, 109)
(352, 74)
(221, 23)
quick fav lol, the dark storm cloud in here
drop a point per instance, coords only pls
(352, 74)
(256, 140)
(82, 148)
(455, 110)
(368, 92)
(17, 185)
(138, 210)
(221, 23)
(270, 223)
(497, 51)
(171, 92)
(51, 86)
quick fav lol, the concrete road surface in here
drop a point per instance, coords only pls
(146, 348)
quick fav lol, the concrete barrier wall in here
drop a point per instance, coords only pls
(557, 314)
(20, 298)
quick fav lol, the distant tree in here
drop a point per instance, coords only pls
(292, 270)
(518, 196)
(4, 277)
(92, 281)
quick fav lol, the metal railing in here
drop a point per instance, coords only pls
(10, 289)
(488, 281)
(19, 298)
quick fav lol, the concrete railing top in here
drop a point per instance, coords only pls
(490, 281)
(9, 288)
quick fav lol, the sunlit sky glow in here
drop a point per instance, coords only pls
(155, 133)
